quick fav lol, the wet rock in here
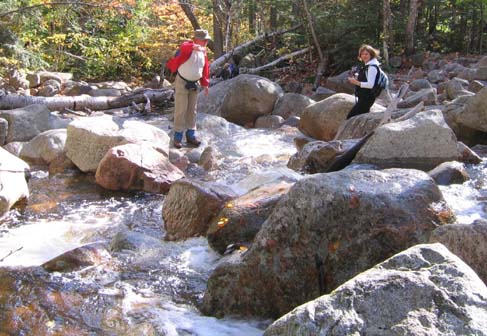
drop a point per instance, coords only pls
(137, 167)
(60, 164)
(26, 122)
(251, 97)
(323, 119)
(425, 290)
(241, 218)
(13, 185)
(468, 241)
(476, 85)
(133, 241)
(291, 104)
(421, 142)
(89, 139)
(189, 207)
(32, 302)
(78, 258)
(45, 147)
(320, 235)
(449, 173)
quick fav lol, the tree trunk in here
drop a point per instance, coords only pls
(481, 23)
(251, 14)
(187, 8)
(322, 65)
(79, 103)
(217, 29)
(272, 17)
(387, 28)
(411, 25)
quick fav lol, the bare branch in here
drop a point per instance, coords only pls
(275, 62)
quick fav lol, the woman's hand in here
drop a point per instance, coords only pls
(353, 81)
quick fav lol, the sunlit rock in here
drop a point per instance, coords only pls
(425, 290)
(137, 167)
(322, 119)
(45, 147)
(88, 139)
(251, 97)
(421, 142)
(325, 230)
(26, 122)
(13, 185)
(189, 207)
(468, 241)
(474, 114)
(241, 218)
(291, 104)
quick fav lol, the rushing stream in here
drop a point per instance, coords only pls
(154, 290)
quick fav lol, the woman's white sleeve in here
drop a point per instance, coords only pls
(371, 74)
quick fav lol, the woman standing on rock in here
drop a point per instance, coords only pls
(364, 80)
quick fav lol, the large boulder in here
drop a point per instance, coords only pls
(137, 167)
(13, 186)
(325, 230)
(425, 290)
(291, 104)
(474, 115)
(323, 119)
(251, 97)
(212, 103)
(26, 122)
(468, 241)
(189, 207)
(422, 142)
(45, 147)
(3, 131)
(240, 220)
(89, 139)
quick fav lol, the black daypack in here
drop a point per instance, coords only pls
(381, 82)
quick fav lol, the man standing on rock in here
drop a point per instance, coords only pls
(191, 65)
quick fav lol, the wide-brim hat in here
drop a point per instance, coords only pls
(201, 34)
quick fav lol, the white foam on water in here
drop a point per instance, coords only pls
(462, 198)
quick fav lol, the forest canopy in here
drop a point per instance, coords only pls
(96, 39)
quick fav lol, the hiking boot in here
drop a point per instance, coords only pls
(177, 144)
(178, 138)
(193, 141)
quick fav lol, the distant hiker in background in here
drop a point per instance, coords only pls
(364, 79)
(191, 65)
(230, 69)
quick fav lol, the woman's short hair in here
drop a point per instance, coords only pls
(374, 53)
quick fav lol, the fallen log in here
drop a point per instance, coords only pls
(220, 61)
(275, 62)
(79, 103)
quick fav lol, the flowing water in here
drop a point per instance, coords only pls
(154, 290)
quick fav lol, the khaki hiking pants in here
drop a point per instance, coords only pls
(185, 107)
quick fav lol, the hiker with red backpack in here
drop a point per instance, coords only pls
(369, 80)
(191, 65)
